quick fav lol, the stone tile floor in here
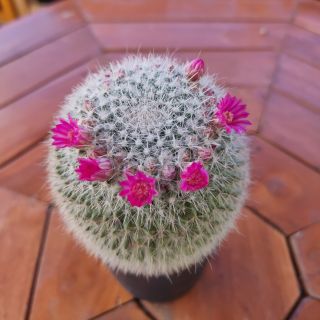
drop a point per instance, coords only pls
(268, 53)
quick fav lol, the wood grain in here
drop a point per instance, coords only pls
(21, 224)
(181, 10)
(72, 284)
(307, 16)
(41, 104)
(303, 45)
(129, 311)
(308, 309)
(239, 280)
(283, 190)
(45, 63)
(299, 80)
(237, 68)
(27, 174)
(298, 134)
(30, 32)
(306, 247)
(191, 36)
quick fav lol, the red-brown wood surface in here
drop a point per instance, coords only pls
(267, 53)
(264, 276)
(308, 309)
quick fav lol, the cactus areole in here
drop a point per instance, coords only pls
(149, 165)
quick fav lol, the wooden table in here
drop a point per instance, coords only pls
(268, 53)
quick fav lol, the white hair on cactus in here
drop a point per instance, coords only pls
(149, 114)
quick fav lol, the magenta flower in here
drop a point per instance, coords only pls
(91, 169)
(194, 177)
(231, 114)
(195, 69)
(139, 189)
(69, 134)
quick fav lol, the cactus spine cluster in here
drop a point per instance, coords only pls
(147, 114)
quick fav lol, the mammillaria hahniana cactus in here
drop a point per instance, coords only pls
(148, 164)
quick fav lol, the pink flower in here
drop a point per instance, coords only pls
(231, 114)
(195, 69)
(139, 189)
(194, 177)
(91, 169)
(69, 134)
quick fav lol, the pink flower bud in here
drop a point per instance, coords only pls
(121, 74)
(169, 172)
(207, 91)
(205, 154)
(195, 69)
(91, 169)
(209, 132)
(151, 166)
(87, 105)
(186, 156)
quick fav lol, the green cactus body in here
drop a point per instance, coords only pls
(145, 114)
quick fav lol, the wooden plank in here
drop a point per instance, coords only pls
(35, 30)
(181, 10)
(241, 68)
(21, 224)
(27, 174)
(192, 36)
(307, 16)
(299, 80)
(283, 190)
(41, 65)
(227, 288)
(72, 284)
(308, 309)
(306, 248)
(303, 45)
(40, 105)
(293, 128)
(129, 311)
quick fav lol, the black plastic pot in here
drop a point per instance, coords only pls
(161, 288)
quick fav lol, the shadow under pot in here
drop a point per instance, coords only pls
(160, 288)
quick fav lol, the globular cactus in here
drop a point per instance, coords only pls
(148, 164)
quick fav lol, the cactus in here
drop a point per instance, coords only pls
(166, 125)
